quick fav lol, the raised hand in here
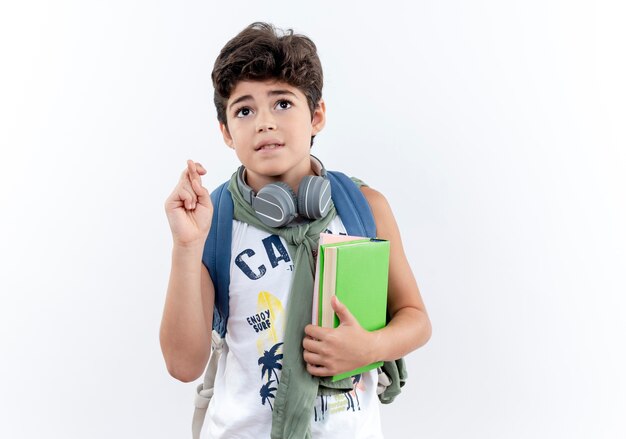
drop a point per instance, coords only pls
(331, 351)
(189, 209)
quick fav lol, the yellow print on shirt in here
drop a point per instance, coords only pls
(268, 305)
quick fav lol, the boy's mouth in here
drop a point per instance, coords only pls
(268, 146)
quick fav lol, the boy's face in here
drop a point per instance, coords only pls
(270, 128)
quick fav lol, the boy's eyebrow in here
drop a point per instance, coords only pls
(240, 99)
(269, 93)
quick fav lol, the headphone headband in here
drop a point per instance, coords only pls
(248, 193)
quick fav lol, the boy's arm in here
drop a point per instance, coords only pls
(188, 314)
(347, 347)
(410, 326)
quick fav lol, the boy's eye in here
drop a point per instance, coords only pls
(243, 112)
(283, 104)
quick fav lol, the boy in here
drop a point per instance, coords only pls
(268, 95)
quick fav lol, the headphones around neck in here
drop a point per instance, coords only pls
(276, 205)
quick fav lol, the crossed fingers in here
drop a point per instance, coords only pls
(190, 185)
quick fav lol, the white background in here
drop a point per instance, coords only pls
(495, 128)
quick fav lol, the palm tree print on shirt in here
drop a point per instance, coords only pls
(266, 393)
(271, 362)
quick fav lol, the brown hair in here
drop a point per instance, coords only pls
(261, 52)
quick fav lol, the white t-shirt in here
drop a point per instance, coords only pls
(261, 272)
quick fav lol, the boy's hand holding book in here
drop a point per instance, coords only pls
(189, 209)
(333, 351)
(354, 270)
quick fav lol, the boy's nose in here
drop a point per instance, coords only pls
(265, 122)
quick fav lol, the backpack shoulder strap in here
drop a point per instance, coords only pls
(216, 255)
(351, 205)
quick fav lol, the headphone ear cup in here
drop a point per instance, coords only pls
(313, 197)
(275, 204)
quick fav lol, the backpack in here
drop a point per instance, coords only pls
(356, 215)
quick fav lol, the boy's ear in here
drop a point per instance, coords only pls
(319, 117)
(228, 140)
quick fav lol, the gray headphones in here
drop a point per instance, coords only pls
(276, 204)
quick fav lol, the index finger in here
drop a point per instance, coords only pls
(191, 167)
(315, 332)
(195, 169)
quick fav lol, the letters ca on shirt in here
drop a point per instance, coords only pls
(255, 265)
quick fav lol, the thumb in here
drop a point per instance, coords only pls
(342, 311)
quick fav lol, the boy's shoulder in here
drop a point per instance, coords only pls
(377, 201)
(375, 198)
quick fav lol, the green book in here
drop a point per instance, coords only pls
(357, 273)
